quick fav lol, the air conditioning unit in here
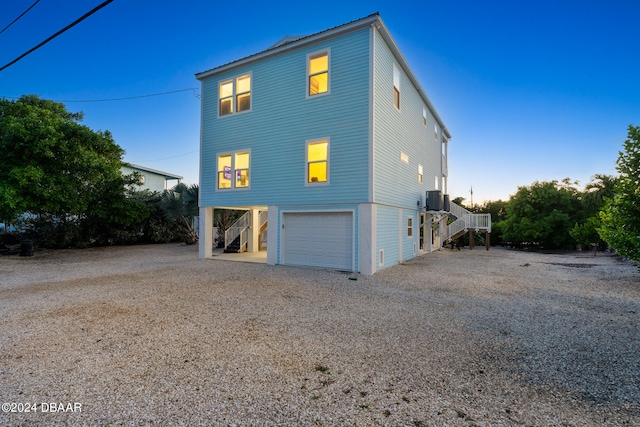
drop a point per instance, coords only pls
(434, 200)
(446, 203)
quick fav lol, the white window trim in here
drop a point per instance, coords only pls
(233, 170)
(306, 162)
(410, 227)
(234, 93)
(309, 55)
(393, 85)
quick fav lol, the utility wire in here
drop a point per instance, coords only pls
(193, 89)
(23, 13)
(74, 23)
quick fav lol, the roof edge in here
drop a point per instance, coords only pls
(279, 49)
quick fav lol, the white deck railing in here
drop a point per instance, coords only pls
(465, 220)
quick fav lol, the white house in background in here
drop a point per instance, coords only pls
(331, 146)
(151, 179)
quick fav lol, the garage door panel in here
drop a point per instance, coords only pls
(319, 239)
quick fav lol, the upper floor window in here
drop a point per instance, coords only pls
(424, 116)
(420, 174)
(235, 95)
(435, 132)
(318, 73)
(317, 162)
(233, 170)
(396, 87)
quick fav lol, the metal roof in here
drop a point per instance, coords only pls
(166, 175)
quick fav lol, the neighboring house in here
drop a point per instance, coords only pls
(151, 179)
(330, 144)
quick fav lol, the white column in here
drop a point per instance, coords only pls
(367, 255)
(272, 236)
(206, 233)
(254, 232)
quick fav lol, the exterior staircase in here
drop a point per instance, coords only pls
(465, 220)
(236, 237)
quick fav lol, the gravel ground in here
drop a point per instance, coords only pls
(149, 335)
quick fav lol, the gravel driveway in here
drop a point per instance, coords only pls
(149, 335)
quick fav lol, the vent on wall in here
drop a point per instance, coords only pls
(381, 257)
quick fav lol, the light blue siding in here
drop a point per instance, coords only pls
(387, 235)
(283, 119)
(395, 182)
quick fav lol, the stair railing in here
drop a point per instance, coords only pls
(236, 229)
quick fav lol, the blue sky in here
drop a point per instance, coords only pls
(529, 90)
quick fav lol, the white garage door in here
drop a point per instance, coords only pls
(319, 239)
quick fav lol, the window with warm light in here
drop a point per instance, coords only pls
(318, 73)
(396, 87)
(404, 157)
(235, 95)
(233, 170)
(224, 171)
(420, 173)
(241, 169)
(317, 162)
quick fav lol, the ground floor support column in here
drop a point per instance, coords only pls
(487, 240)
(205, 241)
(253, 244)
(272, 235)
(367, 239)
(472, 238)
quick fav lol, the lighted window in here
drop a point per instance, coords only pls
(242, 169)
(424, 116)
(436, 182)
(243, 93)
(404, 157)
(396, 87)
(409, 227)
(226, 98)
(235, 95)
(317, 161)
(420, 173)
(224, 171)
(233, 170)
(318, 73)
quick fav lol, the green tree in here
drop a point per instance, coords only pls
(593, 199)
(181, 204)
(60, 171)
(621, 213)
(542, 214)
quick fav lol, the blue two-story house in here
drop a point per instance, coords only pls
(330, 144)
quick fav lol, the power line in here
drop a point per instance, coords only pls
(73, 24)
(21, 15)
(192, 89)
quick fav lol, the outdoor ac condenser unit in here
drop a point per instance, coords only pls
(433, 200)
